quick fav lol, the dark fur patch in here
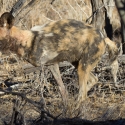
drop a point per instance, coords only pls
(8, 44)
(8, 19)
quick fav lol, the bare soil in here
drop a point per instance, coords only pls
(37, 100)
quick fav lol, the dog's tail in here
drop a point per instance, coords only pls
(114, 50)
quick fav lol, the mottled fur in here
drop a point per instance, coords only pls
(63, 40)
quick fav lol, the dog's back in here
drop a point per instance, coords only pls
(67, 40)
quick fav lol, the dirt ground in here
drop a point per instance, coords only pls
(36, 98)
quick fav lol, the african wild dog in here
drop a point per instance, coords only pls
(63, 40)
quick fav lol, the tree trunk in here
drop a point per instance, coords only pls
(98, 20)
(121, 9)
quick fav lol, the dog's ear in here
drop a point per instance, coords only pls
(6, 20)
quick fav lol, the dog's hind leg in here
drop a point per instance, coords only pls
(91, 81)
(114, 70)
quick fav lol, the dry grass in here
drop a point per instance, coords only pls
(105, 100)
(41, 12)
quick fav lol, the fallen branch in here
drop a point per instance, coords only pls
(36, 104)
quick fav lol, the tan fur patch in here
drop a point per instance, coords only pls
(3, 33)
(28, 36)
(24, 37)
(62, 22)
(48, 28)
(21, 51)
